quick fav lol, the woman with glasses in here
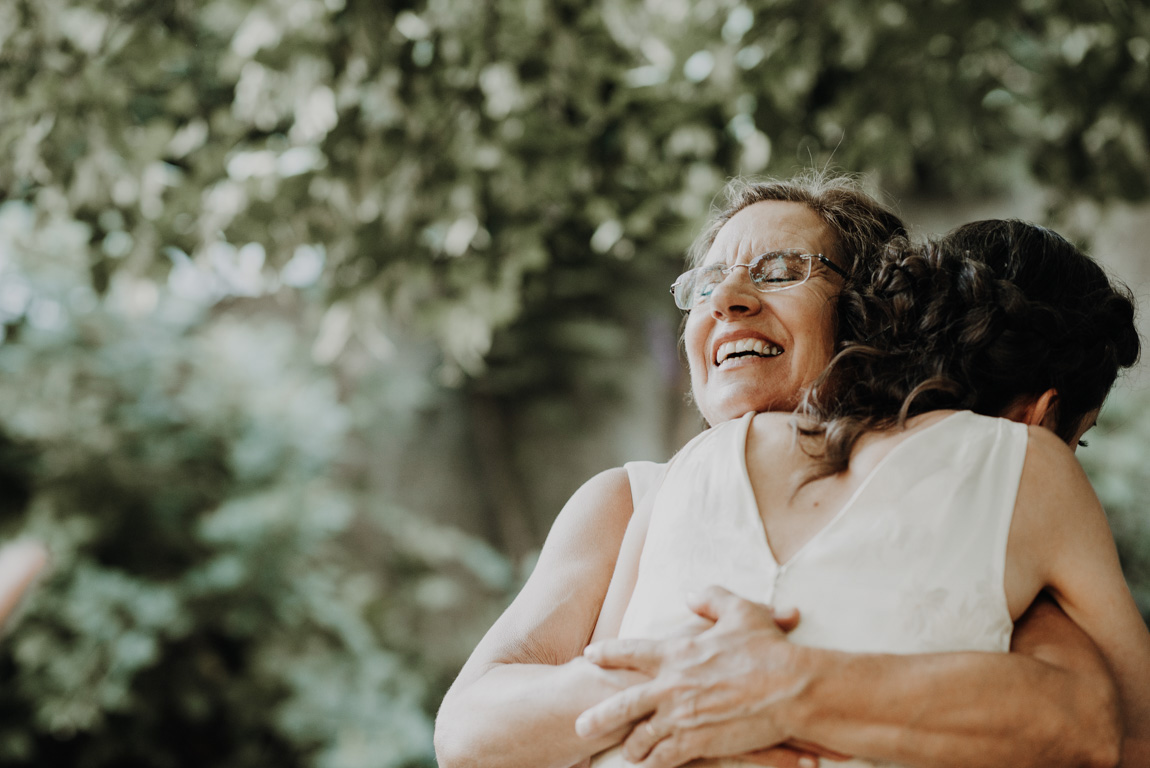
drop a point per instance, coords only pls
(893, 515)
(516, 701)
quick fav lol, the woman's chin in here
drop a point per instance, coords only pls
(727, 408)
(728, 394)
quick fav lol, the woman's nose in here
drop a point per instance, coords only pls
(736, 295)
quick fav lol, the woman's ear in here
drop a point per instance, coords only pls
(1041, 411)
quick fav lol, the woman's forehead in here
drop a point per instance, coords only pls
(770, 226)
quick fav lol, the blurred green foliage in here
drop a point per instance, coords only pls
(247, 245)
(222, 595)
(1114, 461)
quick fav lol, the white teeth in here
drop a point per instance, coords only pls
(757, 346)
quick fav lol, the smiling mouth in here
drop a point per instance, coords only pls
(746, 348)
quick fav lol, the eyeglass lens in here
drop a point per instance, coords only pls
(769, 272)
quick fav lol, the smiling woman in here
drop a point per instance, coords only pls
(516, 700)
(799, 323)
(898, 517)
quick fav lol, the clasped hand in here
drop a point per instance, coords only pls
(721, 692)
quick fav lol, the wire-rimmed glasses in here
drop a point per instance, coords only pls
(772, 271)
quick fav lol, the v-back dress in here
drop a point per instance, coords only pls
(914, 562)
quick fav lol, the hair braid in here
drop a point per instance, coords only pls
(993, 312)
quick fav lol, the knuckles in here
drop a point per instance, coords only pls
(675, 750)
(683, 711)
(680, 648)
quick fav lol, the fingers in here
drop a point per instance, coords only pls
(642, 655)
(650, 745)
(781, 757)
(670, 752)
(693, 627)
(817, 750)
(617, 711)
(715, 602)
(712, 602)
(641, 741)
(787, 618)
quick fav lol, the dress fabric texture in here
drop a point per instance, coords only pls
(914, 562)
(644, 477)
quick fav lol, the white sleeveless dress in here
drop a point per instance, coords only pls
(643, 477)
(914, 562)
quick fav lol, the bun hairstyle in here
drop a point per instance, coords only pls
(992, 312)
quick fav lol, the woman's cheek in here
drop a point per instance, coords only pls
(695, 342)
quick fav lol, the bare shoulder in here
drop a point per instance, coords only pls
(1044, 440)
(596, 514)
(774, 420)
(776, 427)
(1053, 484)
(1056, 510)
(1051, 466)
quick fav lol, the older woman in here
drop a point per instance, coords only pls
(516, 700)
(888, 521)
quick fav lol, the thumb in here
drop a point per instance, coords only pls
(781, 757)
(787, 618)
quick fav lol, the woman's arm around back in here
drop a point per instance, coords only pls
(1061, 539)
(517, 697)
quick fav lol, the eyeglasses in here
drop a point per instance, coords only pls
(774, 271)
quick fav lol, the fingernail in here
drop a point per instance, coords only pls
(591, 651)
(808, 762)
(583, 726)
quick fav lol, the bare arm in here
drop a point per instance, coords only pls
(1049, 703)
(741, 685)
(1054, 696)
(1060, 533)
(516, 700)
(1078, 678)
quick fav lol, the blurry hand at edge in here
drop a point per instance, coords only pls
(20, 563)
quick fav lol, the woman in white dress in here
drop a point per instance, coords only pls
(517, 699)
(896, 518)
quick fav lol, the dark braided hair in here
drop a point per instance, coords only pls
(992, 312)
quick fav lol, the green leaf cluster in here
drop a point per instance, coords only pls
(1120, 476)
(217, 594)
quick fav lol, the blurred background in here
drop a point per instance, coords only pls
(314, 312)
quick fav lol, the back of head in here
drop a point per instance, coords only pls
(859, 224)
(1065, 324)
(993, 312)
